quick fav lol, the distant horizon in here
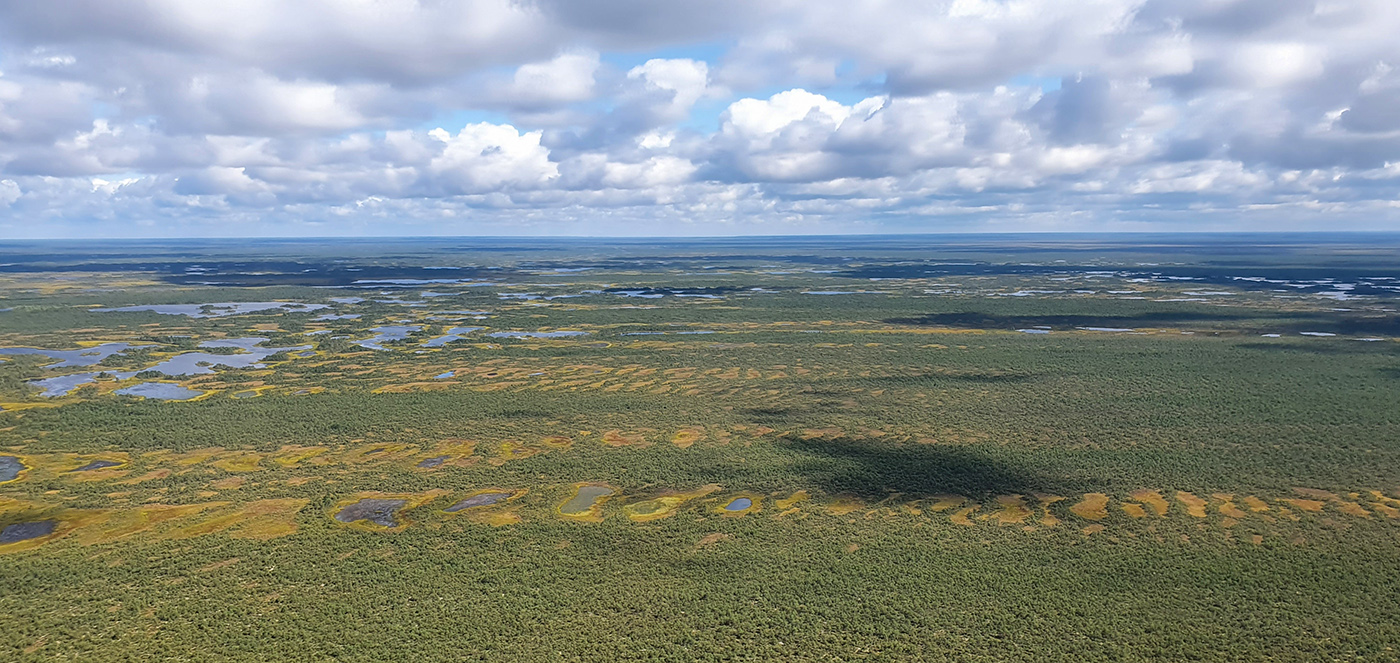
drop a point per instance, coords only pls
(970, 233)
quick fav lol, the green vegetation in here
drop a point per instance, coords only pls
(975, 489)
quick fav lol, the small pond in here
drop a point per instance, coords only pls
(482, 499)
(583, 500)
(161, 391)
(215, 310)
(550, 334)
(26, 531)
(378, 511)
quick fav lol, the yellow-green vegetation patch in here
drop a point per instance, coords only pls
(374, 453)
(126, 522)
(844, 504)
(688, 436)
(510, 450)
(1011, 510)
(586, 504)
(239, 461)
(447, 453)
(665, 504)
(291, 455)
(792, 500)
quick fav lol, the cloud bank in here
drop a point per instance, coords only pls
(352, 117)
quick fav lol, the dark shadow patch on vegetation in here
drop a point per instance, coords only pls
(1279, 322)
(940, 377)
(768, 415)
(976, 320)
(876, 470)
(1313, 347)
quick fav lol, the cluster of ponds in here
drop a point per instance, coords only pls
(185, 364)
(215, 310)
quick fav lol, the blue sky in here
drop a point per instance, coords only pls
(165, 118)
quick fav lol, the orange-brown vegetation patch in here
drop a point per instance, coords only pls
(122, 524)
(229, 483)
(1195, 506)
(962, 516)
(219, 565)
(945, 502)
(844, 504)
(1011, 510)
(435, 385)
(688, 436)
(1313, 493)
(616, 438)
(1385, 505)
(186, 459)
(1255, 504)
(557, 442)
(509, 450)
(1349, 508)
(1094, 506)
(269, 519)
(1093, 529)
(1152, 499)
(149, 476)
(1304, 505)
(1048, 519)
(1133, 510)
(374, 453)
(710, 540)
(1227, 506)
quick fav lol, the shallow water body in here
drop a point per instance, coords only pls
(67, 358)
(583, 500)
(387, 334)
(484, 499)
(453, 334)
(26, 531)
(10, 467)
(161, 391)
(551, 334)
(378, 511)
(215, 310)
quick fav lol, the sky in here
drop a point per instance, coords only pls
(216, 118)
